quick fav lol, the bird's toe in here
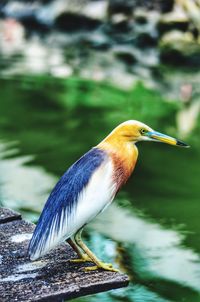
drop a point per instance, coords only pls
(84, 258)
(101, 265)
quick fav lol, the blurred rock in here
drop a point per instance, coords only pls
(32, 24)
(19, 9)
(127, 7)
(192, 10)
(121, 7)
(141, 17)
(145, 40)
(96, 9)
(12, 37)
(176, 20)
(121, 26)
(126, 56)
(27, 14)
(133, 35)
(164, 27)
(131, 55)
(98, 40)
(177, 48)
(72, 22)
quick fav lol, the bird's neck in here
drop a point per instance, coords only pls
(123, 154)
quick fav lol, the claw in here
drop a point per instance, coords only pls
(101, 265)
(84, 258)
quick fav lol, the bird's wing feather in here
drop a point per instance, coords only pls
(61, 206)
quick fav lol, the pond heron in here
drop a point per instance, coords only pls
(87, 188)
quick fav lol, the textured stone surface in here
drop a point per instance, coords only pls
(7, 215)
(52, 278)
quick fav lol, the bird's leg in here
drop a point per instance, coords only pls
(81, 257)
(74, 247)
(93, 258)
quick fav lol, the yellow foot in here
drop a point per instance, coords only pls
(101, 265)
(85, 258)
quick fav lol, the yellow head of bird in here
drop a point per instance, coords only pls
(135, 131)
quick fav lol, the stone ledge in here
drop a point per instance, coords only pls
(53, 278)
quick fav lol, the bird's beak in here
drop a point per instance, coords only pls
(157, 136)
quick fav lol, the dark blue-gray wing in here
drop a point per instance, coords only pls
(61, 204)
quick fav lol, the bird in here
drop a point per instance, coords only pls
(87, 188)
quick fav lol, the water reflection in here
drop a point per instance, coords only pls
(159, 250)
(22, 187)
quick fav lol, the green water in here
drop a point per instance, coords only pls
(152, 229)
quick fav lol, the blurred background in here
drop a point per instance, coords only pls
(70, 71)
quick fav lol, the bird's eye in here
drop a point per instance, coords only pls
(143, 131)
